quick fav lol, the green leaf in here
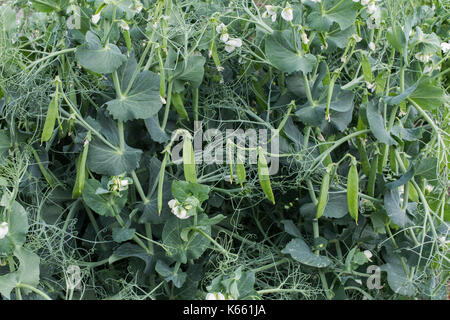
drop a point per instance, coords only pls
(428, 96)
(123, 234)
(28, 271)
(366, 67)
(301, 252)
(178, 249)
(343, 14)
(155, 131)
(48, 6)
(178, 278)
(337, 206)
(427, 168)
(183, 189)
(128, 250)
(408, 175)
(264, 177)
(7, 283)
(4, 145)
(142, 101)
(398, 280)
(282, 54)
(93, 56)
(394, 210)
(396, 37)
(103, 159)
(106, 204)
(8, 19)
(18, 228)
(376, 124)
(395, 100)
(190, 70)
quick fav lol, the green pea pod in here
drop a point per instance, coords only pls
(230, 159)
(323, 196)
(126, 35)
(367, 69)
(178, 104)
(162, 74)
(372, 176)
(188, 160)
(162, 170)
(352, 190)
(50, 120)
(81, 169)
(392, 160)
(213, 52)
(263, 175)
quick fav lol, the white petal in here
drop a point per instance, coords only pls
(95, 18)
(211, 296)
(287, 14)
(4, 229)
(229, 48)
(224, 37)
(235, 42)
(172, 203)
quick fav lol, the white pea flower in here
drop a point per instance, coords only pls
(370, 86)
(287, 13)
(172, 203)
(423, 57)
(445, 46)
(221, 28)
(232, 44)
(365, 2)
(224, 37)
(304, 37)
(124, 25)
(163, 101)
(368, 255)
(316, 1)
(4, 229)
(372, 46)
(215, 296)
(429, 188)
(124, 183)
(220, 68)
(270, 11)
(356, 37)
(355, 0)
(95, 18)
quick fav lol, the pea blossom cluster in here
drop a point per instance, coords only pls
(4, 229)
(230, 43)
(186, 209)
(217, 296)
(287, 13)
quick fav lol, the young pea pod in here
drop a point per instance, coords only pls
(352, 190)
(52, 114)
(323, 195)
(263, 175)
(372, 175)
(240, 170)
(177, 102)
(230, 159)
(367, 69)
(189, 160)
(127, 37)
(162, 170)
(162, 74)
(81, 169)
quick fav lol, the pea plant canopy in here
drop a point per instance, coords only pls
(96, 94)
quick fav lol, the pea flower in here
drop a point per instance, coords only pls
(287, 13)
(423, 57)
(368, 255)
(356, 37)
(224, 37)
(372, 46)
(316, 1)
(370, 86)
(270, 11)
(4, 229)
(221, 28)
(445, 46)
(177, 209)
(232, 44)
(215, 296)
(304, 37)
(95, 18)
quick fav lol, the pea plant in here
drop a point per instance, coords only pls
(116, 115)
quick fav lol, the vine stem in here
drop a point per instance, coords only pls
(35, 290)
(207, 236)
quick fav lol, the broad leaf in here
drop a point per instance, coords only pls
(106, 204)
(301, 252)
(93, 56)
(376, 124)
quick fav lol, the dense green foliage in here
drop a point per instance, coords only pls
(94, 95)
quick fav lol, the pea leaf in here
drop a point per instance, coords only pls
(398, 280)
(93, 56)
(28, 271)
(8, 18)
(123, 234)
(155, 131)
(18, 228)
(128, 250)
(427, 168)
(106, 204)
(142, 101)
(393, 209)
(301, 252)
(190, 70)
(7, 283)
(178, 278)
(376, 124)
(103, 159)
(4, 144)
(178, 249)
(428, 96)
(183, 189)
(343, 14)
(408, 175)
(282, 54)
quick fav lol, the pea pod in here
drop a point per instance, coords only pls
(177, 102)
(162, 74)
(352, 190)
(162, 170)
(263, 175)
(81, 169)
(188, 160)
(372, 176)
(323, 195)
(367, 69)
(230, 159)
(126, 36)
(50, 120)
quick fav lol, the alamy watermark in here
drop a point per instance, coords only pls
(230, 146)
